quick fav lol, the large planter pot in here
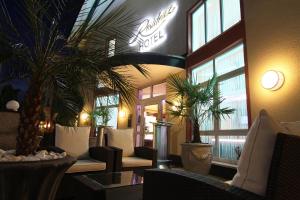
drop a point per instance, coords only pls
(196, 157)
(32, 180)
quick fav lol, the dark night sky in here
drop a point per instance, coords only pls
(69, 18)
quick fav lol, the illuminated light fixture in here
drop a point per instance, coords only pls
(151, 32)
(272, 80)
(122, 113)
(84, 117)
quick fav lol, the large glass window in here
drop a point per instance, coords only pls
(227, 135)
(198, 33)
(231, 13)
(212, 18)
(110, 102)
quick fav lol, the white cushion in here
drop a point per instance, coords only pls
(87, 166)
(253, 166)
(74, 140)
(135, 162)
(121, 138)
(293, 128)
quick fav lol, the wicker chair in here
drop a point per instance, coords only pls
(283, 183)
(140, 158)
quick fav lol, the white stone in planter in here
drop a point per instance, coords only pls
(2, 152)
(9, 156)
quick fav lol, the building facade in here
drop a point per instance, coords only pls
(239, 40)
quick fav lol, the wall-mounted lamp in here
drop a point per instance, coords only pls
(272, 80)
(122, 114)
(84, 117)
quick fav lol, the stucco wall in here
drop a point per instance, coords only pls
(176, 28)
(178, 130)
(273, 42)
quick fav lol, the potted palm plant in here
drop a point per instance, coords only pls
(60, 69)
(100, 117)
(197, 103)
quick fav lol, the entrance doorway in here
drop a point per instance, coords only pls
(151, 109)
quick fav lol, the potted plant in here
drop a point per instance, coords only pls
(197, 103)
(100, 117)
(60, 69)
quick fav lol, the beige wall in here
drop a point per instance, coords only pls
(178, 130)
(123, 120)
(273, 42)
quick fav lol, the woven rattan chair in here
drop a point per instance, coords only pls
(283, 182)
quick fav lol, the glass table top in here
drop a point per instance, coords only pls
(116, 179)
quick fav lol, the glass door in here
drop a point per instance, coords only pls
(151, 115)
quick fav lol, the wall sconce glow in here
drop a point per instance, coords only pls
(122, 114)
(84, 117)
(272, 80)
(151, 32)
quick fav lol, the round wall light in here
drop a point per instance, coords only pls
(122, 114)
(272, 80)
(84, 117)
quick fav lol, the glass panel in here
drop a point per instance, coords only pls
(198, 26)
(113, 120)
(145, 93)
(111, 47)
(100, 10)
(231, 146)
(83, 14)
(234, 92)
(159, 90)
(150, 115)
(231, 60)
(231, 13)
(203, 72)
(107, 100)
(213, 19)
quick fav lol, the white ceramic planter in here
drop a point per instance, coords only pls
(196, 157)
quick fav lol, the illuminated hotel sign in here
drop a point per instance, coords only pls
(151, 33)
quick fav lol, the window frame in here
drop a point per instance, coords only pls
(217, 132)
(151, 91)
(190, 24)
(107, 46)
(109, 106)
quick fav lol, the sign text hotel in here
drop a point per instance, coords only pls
(150, 32)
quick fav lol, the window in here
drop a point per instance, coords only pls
(159, 90)
(230, 13)
(212, 18)
(145, 93)
(227, 135)
(198, 26)
(112, 103)
(111, 47)
(153, 91)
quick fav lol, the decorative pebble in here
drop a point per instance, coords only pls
(9, 156)
(2, 152)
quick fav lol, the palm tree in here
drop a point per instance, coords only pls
(196, 102)
(61, 71)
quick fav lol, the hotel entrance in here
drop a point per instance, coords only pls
(151, 109)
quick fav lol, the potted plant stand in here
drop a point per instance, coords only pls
(32, 180)
(196, 157)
